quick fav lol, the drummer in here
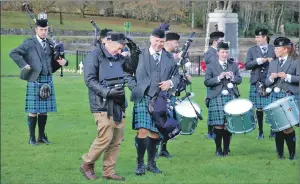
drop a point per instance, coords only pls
(283, 80)
(258, 59)
(221, 78)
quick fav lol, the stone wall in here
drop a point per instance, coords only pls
(61, 32)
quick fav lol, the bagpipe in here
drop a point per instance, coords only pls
(58, 48)
(96, 32)
(130, 64)
(183, 63)
(159, 106)
(261, 88)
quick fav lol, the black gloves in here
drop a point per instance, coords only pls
(117, 92)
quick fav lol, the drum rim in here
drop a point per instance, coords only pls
(188, 102)
(241, 112)
(278, 105)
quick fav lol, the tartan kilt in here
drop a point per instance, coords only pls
(216, 112)
(172, 103)
(33, 102)
(141, 116)
(258, 101)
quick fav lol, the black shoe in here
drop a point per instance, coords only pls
(260, 136)
(44, 139)
(165, 153)
(225, 153)
(292, 157)
(152, 168)
(219, 154)
(33, 142)
(280, 157)
(140, 168)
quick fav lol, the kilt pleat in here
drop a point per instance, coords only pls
(142, 117)
(33, 102)
(258, 101)
(216, 112)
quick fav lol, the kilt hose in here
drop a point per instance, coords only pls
(33, 102)
(258, 101)
(141, 117)
(216, 114)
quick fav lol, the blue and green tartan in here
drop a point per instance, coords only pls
(142, 117)
(216, 112)
(33, 102)
(258, 101)
(172, 103)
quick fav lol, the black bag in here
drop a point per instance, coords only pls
(207, 100)
(161, 115)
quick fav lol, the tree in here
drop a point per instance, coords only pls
(81, 6)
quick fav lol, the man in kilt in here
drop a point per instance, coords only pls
(283, 79)
(258, 59)
(152, 74)
(218, 75)
(171, 45)
(35, 59)
(211, 56)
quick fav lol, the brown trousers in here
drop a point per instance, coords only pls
(109, 138)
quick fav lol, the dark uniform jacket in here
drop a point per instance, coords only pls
(211, 78)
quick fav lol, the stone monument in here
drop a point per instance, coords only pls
(222, 19)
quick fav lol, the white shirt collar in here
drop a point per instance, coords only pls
(39, 39)
(285, 58)
(261, 46)
(222, 62)
(152, 51)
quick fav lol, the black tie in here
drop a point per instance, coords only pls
(44, 45)
(264, 50)
(156, 58)
(224, 65)
(281, 62)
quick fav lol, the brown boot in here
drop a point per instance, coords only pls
(114, 177)
(88, 171)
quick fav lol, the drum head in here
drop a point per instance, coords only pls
(185, 109)
(238, 106)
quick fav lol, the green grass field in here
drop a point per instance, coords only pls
(75, 22)
(72, 129)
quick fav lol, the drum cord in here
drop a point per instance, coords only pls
(198, 114)
(233, 94)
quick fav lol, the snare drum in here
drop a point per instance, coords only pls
(187, 117)
(282, 114)
(240, 116)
